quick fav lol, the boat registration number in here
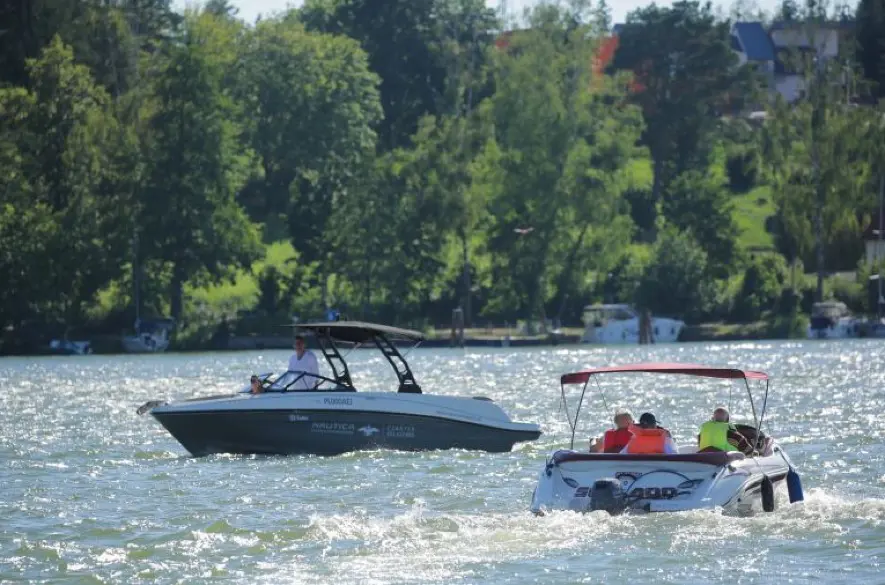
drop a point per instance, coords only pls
(654, 493)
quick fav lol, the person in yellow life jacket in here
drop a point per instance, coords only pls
(718, 434)
(649, 438)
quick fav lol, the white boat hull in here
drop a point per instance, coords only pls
(627, 331)
(660, 483)
(845, 328)
(65, 347)
(145, 343)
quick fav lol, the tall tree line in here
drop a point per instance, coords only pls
(417, 156)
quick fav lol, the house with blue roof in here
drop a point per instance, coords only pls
(770, 51)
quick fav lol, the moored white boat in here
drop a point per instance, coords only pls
(689, 480)
(150, 337)
(620, 324)
(832, 320)
(66, 347)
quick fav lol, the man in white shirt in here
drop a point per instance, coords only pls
(304, 361)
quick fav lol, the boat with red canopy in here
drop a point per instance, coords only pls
(732, 480)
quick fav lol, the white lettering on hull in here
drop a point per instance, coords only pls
(399, 431)
(332, 428)
(338, 401)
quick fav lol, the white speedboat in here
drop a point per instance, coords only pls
(832, 320)
(65, 347)
(302, 413)
(732, 481)
(615, 324)
(150, 337)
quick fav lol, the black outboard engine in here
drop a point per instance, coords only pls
(607, 494)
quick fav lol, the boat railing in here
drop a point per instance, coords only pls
(295, 381)
(717, 458)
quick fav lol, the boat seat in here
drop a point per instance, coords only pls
(718, 458)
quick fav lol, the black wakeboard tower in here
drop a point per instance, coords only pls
(358, 333)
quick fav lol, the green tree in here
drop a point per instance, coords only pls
(700, 203)
(412, 45)
(814, 156)
(761, 288)
(556, 168)
(402, 220)
(870, 33)
(310, 105)
(105, 36)
(677, 281)
(688, 75)
(189, 216)
(55, 141)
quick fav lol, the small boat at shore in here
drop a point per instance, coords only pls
(733, 481)
(301, 413)
(833, 320)
(66, 347)
(150, 337)
(621, 324)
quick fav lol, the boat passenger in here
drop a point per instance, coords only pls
(614, 440)
(304, 361)
(255, 383)
(718, 434)
(649, 438)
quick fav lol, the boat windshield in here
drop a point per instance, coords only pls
(292, 381)
(602, 313)
(830, 310)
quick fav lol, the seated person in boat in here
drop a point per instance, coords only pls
(614, 440)
(649, 438)
(304, 361)
(255, 385)
(718, 434)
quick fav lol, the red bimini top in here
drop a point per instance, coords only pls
(666, 368)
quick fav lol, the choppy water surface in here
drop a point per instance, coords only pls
(92, 493)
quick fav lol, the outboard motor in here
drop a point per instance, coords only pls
(607, 494)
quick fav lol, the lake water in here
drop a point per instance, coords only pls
(92, 493)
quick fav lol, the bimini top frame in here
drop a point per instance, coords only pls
(358, 332)
(584, 377)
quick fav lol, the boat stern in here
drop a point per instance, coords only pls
(616, 483)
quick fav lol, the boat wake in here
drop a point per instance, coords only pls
(420, 545)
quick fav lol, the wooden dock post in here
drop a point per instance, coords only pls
(646, 335)
(457, 327)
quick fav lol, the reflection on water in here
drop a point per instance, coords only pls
(92, 493)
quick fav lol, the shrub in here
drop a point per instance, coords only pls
(852, 293)
(677, 281)
(789, 326)
(761, 288)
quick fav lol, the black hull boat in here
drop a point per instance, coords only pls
(330, 432)
(298, 413)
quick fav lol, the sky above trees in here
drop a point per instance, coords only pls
(249, 9)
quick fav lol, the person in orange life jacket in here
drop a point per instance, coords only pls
(718, 434)
(648, 437)
(614, 439)
(255, 385)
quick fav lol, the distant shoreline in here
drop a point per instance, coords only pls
(704, 332)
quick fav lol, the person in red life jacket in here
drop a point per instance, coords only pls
(614, 439)
(649, 438)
